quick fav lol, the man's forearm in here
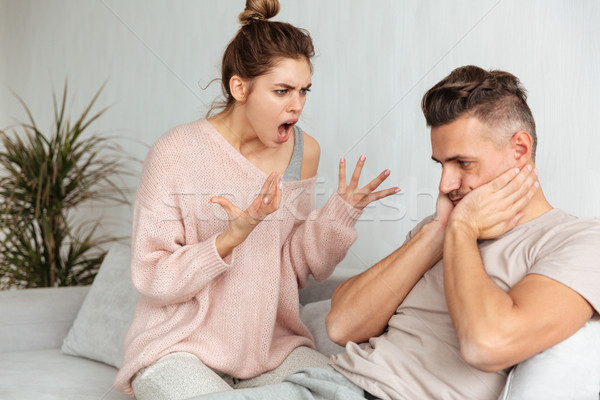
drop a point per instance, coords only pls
(478, 307)
(362, 306)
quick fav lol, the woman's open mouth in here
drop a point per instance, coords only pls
(285, 130)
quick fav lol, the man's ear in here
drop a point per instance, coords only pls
(522, 145)
(238, 88)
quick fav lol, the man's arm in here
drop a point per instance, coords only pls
(362, 305)
(498, 329)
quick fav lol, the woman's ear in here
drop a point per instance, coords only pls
(238, 88)
(522, 145)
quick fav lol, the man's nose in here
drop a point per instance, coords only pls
(449, 181)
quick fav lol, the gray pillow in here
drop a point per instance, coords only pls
(568, 370)
(313, 315)
(102, 322)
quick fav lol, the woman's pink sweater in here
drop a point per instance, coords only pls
(240, 314)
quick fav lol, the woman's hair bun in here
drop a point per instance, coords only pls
(259, 10)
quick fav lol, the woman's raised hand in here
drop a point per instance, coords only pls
(360, 198)
(241, 223)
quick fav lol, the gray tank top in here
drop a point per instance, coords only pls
(292, 172)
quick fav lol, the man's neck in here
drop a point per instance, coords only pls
(536, 207)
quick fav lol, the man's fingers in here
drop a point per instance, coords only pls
(521, 186)
(515, 220)
(511, 186)
(503, 179)
(523, 196)
(514, 197)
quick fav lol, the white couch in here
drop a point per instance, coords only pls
(65, 343)
(39, 327)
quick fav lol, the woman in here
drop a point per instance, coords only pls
(225, 230)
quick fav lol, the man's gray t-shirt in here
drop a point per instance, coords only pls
(418, 356)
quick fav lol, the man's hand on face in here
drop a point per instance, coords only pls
(443, 209)
(496, 207)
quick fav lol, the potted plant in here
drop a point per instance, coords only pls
(44, 180)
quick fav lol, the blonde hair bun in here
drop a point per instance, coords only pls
(259, 10)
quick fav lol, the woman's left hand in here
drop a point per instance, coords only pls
(360, 198)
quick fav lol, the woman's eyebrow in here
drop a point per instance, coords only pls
(288, 86)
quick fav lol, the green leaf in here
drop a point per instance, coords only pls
(45, 178)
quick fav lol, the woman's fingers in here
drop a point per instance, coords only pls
(359, 198)
(374, 196)
(267, 189)
(268, 199)
(278, 192)
(342, 176)
(374, 184)
(273, 194)
(357, 172)
(231, 210)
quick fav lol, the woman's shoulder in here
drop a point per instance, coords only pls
(181, 146)
(310, 157)
(185, 138)
(185, 133)
(182, 155)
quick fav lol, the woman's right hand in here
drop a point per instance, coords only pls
(241, 223)
(360, 198)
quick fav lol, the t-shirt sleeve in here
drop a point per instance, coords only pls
(572, 257)
(418, 227)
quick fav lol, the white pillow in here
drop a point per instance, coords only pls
(102, 322)
(313, 315)
(568, 370)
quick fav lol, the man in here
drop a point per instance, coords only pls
(517, 276)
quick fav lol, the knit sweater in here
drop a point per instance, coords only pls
(240, 314)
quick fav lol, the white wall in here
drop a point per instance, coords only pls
(3, 54)
(375, 60)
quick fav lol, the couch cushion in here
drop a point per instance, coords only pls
(105, 315)
(313, 315)
(52, 375)
(568, 370)
(317, 291)
(35, 319)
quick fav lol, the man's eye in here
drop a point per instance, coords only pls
(304, 91)
(464, 164)
(281, 91)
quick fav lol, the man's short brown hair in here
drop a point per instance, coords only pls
(495, 97)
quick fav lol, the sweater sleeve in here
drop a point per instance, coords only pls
(321, 241)
(165, 270)
(171, 262)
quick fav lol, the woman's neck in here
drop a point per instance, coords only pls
(237, 130)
